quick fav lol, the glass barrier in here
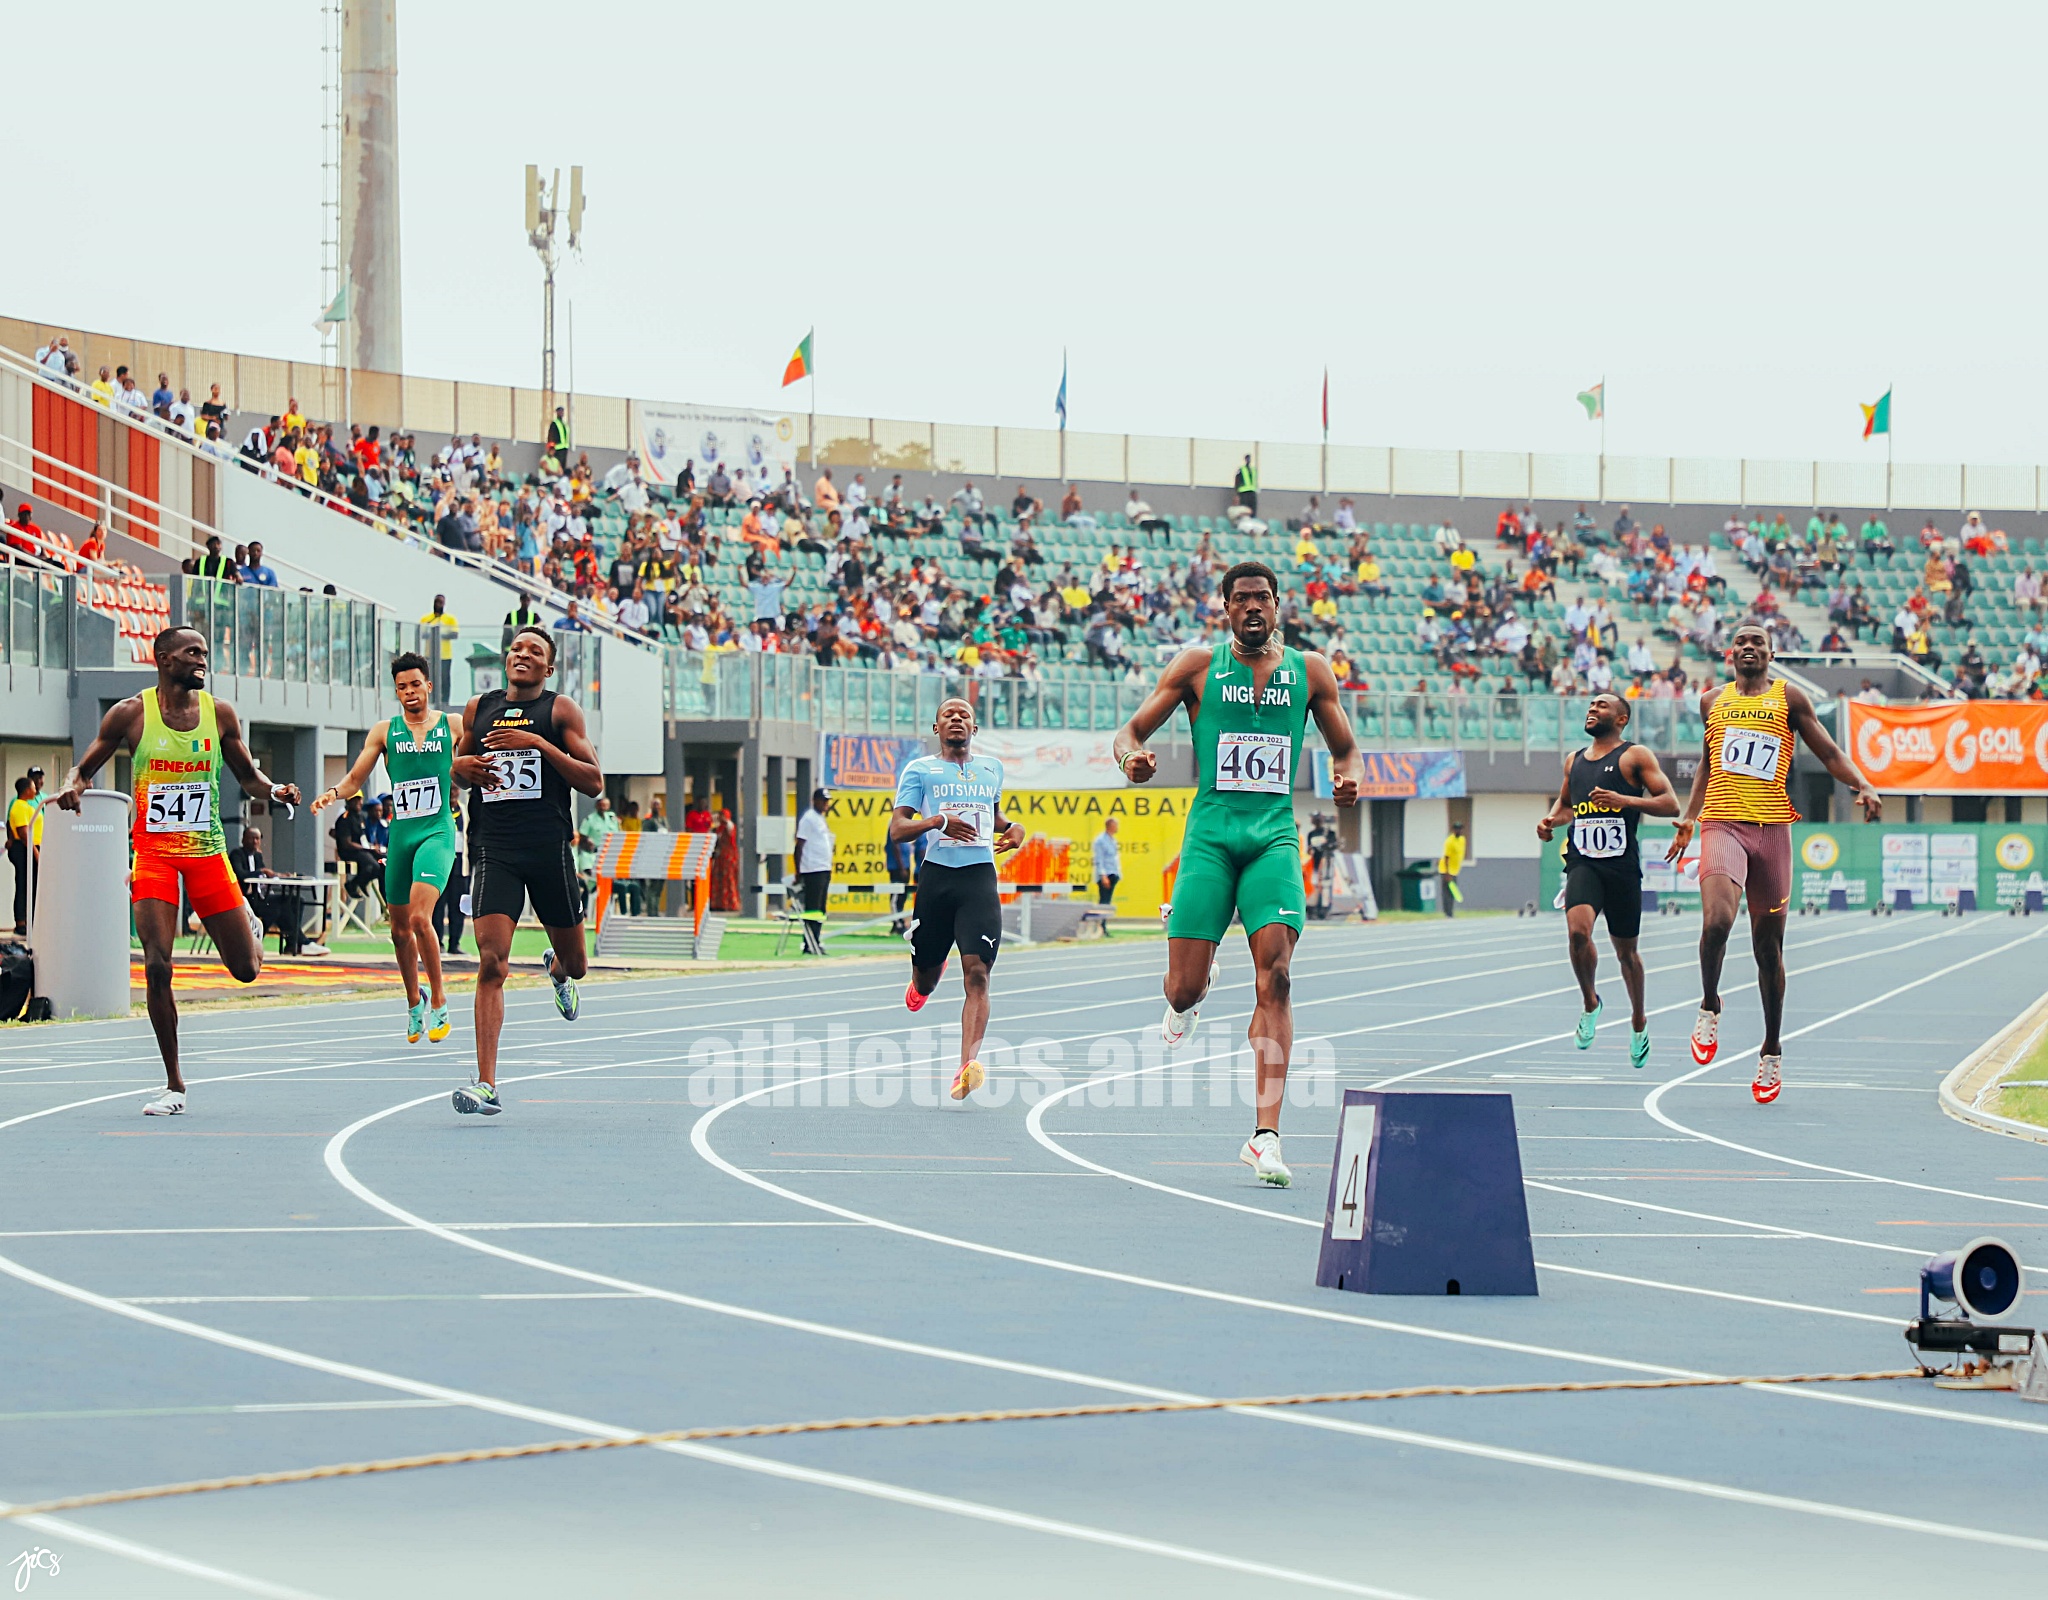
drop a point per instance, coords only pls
(288, 635)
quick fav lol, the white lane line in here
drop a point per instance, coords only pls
(345, 1299)
(717, 1456)
(1653, 1102)
(150, 1556)
(392, 1227)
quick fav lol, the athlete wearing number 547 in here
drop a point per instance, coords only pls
(1745, 816)
(417, 748)
(1248, 703)
(1607, 786)
(181, 736)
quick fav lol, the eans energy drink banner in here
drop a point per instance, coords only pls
(708, 437)
(1060, 827)
(1952, 747)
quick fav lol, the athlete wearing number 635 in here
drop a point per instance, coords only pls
(1248, 704)
(417, 748)
(1606, 787)
(1744, 810)
(181, 737)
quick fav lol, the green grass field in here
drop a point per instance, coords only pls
(2027, 1104)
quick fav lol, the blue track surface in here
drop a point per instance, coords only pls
(321, 1262)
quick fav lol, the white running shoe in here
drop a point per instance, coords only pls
(171, 1103)
(1177, 1025)
(1261, 1153)
(1769, 1079)
(1706, 1035)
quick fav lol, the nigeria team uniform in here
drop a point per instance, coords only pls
(519, 832)
(1240, 851)
(958, 904)
(422, 844)
(1602, 865)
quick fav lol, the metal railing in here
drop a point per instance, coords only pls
(474, 663)
(736, 687)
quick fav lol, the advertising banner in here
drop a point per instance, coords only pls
(1060, 827)
(1400, 775)
(667, 436)
(1952, 747)
(1050, 758)
(864, 760)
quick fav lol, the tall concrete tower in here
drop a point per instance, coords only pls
(369, 180)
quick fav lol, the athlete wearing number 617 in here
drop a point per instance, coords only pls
(181, 736)
(417, 748)
(1248, 703)
(1744, 810)
(1606, 787)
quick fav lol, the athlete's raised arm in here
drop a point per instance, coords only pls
(1176, 688)
(352, 780)
(1347, 766)
(121, 725)
(234, 750)
(1560, 808)
(573, 758)
(1806, 723)
(1639, 766)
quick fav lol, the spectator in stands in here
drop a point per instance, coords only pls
(254, 570)
(558, 441)
(1447, 538)
(1025, 505)
(57, 358)
(2027, 592)
(1072, 513)
(1832, 643)
(444, 619)
(571, 621)
(1247, 486)
(22, 531)
(825, 492)
(1141, 516)
(103, 388)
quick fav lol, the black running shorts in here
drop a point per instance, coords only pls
(502, 880)
(1617, 896)
(955, 906)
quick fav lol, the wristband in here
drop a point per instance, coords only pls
(1122, 759)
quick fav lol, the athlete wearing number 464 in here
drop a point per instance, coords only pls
(1248, 703)
(1745, 816)
(181, 737)
(1607, 786)
(417, 748)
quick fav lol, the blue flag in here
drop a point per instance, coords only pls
(1060, 401)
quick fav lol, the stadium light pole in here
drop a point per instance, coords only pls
(543, 210)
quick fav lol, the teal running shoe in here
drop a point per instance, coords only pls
(437, 1024)
(1638, 1047)
(416, 1021)
(1589, 1022)
(477, 1098)
(566, 999)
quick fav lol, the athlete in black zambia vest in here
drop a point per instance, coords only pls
(1606, 787)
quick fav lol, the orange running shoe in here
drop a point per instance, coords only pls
(969, 1078)
(912, 1000)
(1769, 1079)
(1706, 1035)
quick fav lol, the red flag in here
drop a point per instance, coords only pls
(1326, 403)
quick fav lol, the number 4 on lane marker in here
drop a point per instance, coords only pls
(1354, 1172)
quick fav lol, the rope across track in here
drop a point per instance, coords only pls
(776, 1430)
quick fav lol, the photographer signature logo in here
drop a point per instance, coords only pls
(29, 1563)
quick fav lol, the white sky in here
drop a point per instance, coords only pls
(1747, 217)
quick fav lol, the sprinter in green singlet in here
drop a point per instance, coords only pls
(1248, 705)
(418, 748)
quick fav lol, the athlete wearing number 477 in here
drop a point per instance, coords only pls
(1606, 787)
(181, 737)
(1248, 704)
(1745, 816)
(417, 748)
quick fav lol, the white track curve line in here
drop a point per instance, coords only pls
(716, 1456)
(150, 1556)
(1652, 1105)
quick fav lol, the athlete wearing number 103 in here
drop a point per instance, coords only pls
(417, 748)
(1248, 703)
(1606, 787)
(181, 737)
(1743, 806)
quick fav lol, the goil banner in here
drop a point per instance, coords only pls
(1952, 747)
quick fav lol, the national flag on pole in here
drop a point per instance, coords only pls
(800, 363)
(337, 310)
(1059, 403)
(1326, 405)
(1878, 418)
(1595, 401)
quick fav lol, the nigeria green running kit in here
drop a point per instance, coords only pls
(1240, 851)
(422, 848)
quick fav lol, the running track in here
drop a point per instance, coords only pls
(300, 1272)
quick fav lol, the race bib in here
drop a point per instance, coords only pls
(1252, 763)
(416, 798)
(1749, 754)
(981, 813)
(518, 775)
(1600, 838)
(180, 807)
